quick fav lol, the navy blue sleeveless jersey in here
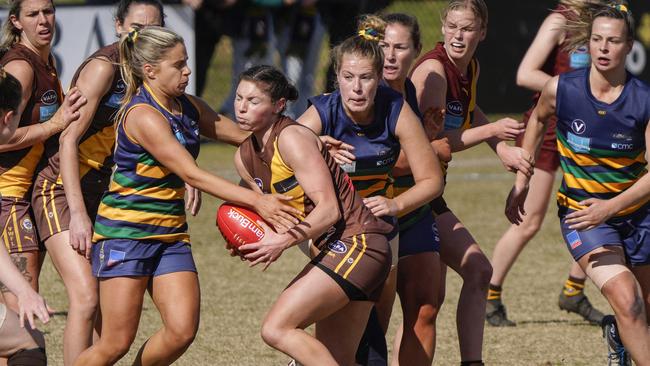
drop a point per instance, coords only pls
(145, 200)
(602, 146)
(375, 145)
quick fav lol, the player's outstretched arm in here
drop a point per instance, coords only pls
(149, 129)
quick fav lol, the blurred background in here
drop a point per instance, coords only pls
(226, 36)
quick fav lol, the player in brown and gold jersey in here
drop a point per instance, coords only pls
(25, 47)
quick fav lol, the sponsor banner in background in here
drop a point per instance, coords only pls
(81, 30)
(512, 27)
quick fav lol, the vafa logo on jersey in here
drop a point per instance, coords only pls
(49, 97)
(455, 108)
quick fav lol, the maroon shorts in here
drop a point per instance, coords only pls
(359, 264)
(548, 158)
(18, 231)
(51, 210)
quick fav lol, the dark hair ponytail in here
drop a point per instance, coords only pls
(275, 83)
(10, 91)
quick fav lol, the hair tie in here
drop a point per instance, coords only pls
(620, 7)
(369, 34)
(132, 36)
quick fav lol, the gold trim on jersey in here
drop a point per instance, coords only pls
(16, 181)
(280, 171)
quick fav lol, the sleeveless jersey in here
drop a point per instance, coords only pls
(461, 89)
(375, 145)
(602, 146)
(145, 200)
(97, 143)
(273, 175)
(17, 167)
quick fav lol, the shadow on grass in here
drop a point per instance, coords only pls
(579, 323)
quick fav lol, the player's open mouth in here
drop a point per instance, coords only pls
(457, 46)
(603, 61)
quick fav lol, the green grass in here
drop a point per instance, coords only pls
(235, 297)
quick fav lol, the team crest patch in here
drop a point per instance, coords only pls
(578, 126)
(115, 257)
(337, 247)
(573, 239)
(27, 224)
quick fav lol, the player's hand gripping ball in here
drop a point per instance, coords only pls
(238, 226)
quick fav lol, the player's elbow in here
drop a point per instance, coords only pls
(523, 78)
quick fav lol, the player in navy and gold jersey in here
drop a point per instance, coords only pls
(377, 123)
(602, 136)
(545, 58)
(445, 78)
(83, 167)
(140, 232)
(336, 289)
(26, 42)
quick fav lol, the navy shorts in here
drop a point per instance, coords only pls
(126, 257)
(631, 232)
(420, 237)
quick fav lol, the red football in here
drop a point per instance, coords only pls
(238, 225)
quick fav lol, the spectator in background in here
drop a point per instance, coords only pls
(288, 30)
(340, 21)
(212, 20)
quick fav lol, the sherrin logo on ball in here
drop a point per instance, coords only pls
(238, 225)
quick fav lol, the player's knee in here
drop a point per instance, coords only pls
(271, 333)
(427, 316)
(181, 336)
(84, 302)
(28, 357)
(531, 226)
(628, 306)
(477, 271)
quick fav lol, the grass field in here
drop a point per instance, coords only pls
(235, 297)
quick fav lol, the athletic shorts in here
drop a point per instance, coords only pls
(548, 158)
(359, 264)
(439, 206)
(51, 209)
(420, 237)
(631, 232)
(3, 314)
(126, 257)
(18, 231)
